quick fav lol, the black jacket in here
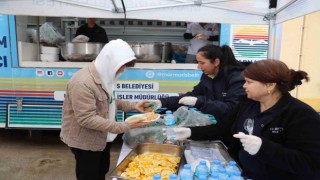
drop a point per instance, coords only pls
(216, 96)
(95, 34)
(290, 142)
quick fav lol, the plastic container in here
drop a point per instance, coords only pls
(186, 173)
(169, 119)
(202, 169)
(231, 167)
(49, 57)
(156, 177)
(49, 50)
(173, 177)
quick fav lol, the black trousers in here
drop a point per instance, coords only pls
(92, 165)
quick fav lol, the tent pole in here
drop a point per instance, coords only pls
(272, 21)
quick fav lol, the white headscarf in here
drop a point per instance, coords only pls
(112, 56)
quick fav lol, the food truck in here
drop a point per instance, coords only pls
(32, 90)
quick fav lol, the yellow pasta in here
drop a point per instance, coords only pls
(151, 116)
(144, 166)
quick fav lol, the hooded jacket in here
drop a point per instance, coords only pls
(89, 107)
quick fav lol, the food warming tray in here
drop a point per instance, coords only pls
(207, 150)
(146, 148)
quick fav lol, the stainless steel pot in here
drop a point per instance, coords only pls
(147, 52)
(85, 52)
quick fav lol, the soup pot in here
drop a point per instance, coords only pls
(80, 51)
(147, 52)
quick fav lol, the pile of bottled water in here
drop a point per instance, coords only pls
(202, 172)
(216, 171)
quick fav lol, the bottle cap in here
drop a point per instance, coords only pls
(222, 170)
(168, 112)
(156, 177)
(202, 162)
(216, 161)
(187, 166)
(173, 177)
(237, 173)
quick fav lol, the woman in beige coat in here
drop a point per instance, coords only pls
(89, 110)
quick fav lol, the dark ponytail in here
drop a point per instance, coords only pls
(229, 61)
(296, 78)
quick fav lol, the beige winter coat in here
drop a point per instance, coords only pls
(85, 107)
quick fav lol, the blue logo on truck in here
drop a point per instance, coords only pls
(3, 59)
(3, 42)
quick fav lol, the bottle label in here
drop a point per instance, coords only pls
(169, 120)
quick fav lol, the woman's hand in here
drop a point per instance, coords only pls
(201, 36)
(142, 107)
(138, 123)
(152, 105)
(250, 143)
(148, 106)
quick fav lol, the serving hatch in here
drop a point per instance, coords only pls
(144, 148)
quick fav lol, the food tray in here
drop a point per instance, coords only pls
(146, 148)
(206, 150)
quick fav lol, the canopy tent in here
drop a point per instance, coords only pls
(252, 12)
(219, 11)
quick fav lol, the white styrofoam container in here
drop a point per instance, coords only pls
(49, 57)
(49, 50)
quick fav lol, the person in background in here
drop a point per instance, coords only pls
(94, 32)
(218, 90)
(200, 34)
(89, 110)
(283, 140)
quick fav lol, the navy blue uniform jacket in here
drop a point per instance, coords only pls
(290, 142)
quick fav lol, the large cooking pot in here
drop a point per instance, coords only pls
(78, 51)
(147, 52)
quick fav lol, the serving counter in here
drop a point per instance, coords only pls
(68, 64)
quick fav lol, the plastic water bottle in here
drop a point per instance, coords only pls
(186, 173)
(173, 177)
(169, 119)
(231, 167)
(214, 176)
(236, 175)
(223, 174)
(215, 165)
(202, 177)
(202, 169)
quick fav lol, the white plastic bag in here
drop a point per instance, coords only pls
(191, 117)
(80, 38)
